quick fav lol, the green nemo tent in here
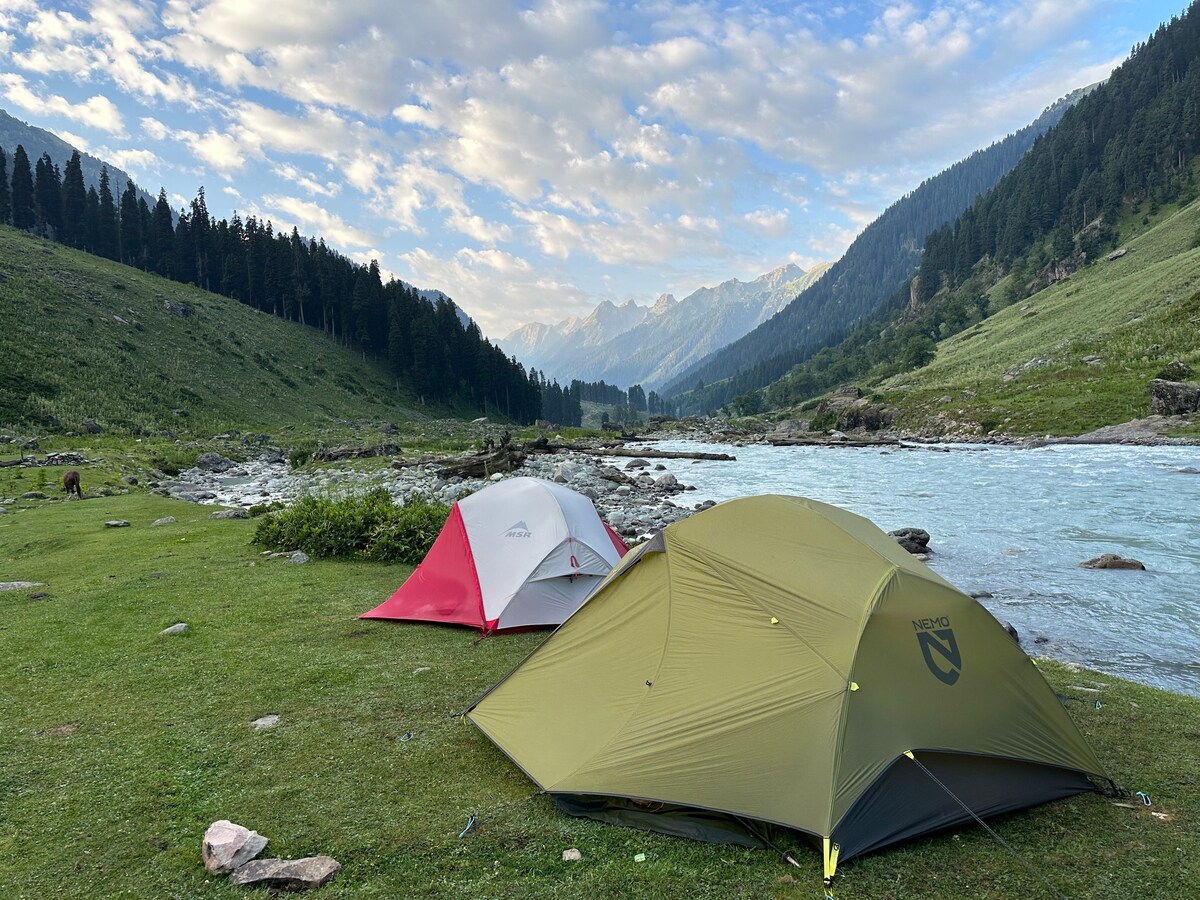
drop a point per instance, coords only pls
(774, 668)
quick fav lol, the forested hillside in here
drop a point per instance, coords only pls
(39, 142)
(882, 258)
(1118, 158)
(426, 346)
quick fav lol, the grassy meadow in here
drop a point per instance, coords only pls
(118, 746)
(1133, 314)
(84, 337)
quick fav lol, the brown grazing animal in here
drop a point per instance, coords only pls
(71, 483)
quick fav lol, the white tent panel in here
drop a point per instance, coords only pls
(525, 525)
(548, 601)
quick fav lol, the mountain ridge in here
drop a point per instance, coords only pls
(877, 262)
(630, 344)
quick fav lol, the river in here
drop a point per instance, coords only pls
(1016, 523)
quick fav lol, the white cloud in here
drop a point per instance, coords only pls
(137, 163)
(497, 260)
(79, 143)
(315, 220)
(153, 128)
(482, 231)
(306, 180)
(556, 235)
(659, 139)
(97, 111)
(220, 151)
(767, 222)
(498, 304)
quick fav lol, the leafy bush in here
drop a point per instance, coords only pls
(261, 509)
(1175, 371)
(369, 526)
(409, 537)
(173, 460)
(824, 421)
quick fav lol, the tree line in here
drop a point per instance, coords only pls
(426, 345)
(564, 405)
(1133, 140)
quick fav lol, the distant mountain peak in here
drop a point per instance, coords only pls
(631, 344)
(663, 303)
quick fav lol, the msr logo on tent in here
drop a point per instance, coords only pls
(939, 646)
(520, 530)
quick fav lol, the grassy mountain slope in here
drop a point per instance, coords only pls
(83, 337)
(1026, 364)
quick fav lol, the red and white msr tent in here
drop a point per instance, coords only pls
(520, 553)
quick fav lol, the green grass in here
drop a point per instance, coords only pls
(83, 337)
(118, 747)
(1136, 313)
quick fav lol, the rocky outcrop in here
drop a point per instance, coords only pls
(213, 462)
(1173, 398)
(854, 412)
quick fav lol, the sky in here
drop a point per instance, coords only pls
(532, 159)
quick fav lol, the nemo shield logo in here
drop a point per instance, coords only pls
(939, 647)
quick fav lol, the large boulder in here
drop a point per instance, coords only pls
(1173, 398)
(914, 540)
(213, 462)
(227, 845)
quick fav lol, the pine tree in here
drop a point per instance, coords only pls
(129, 233)
(162, 236)
(47, 198)
(106, 219)
(74, 202)
(5, 196)
(91, 220)
(23, 214)
(202, 240)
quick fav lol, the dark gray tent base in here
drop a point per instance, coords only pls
(903, 803)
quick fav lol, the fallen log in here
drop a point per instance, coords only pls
(830, 442)
(661, 454)
(504, 459)
(334, 454)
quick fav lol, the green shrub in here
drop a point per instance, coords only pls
(824, 421)
(408, 538)
(173, 460)
(369, 525)
(1175, 371)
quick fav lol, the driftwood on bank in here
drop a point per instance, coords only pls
(505, 457)
(333, 454)
(660, 454)
(829, 442)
